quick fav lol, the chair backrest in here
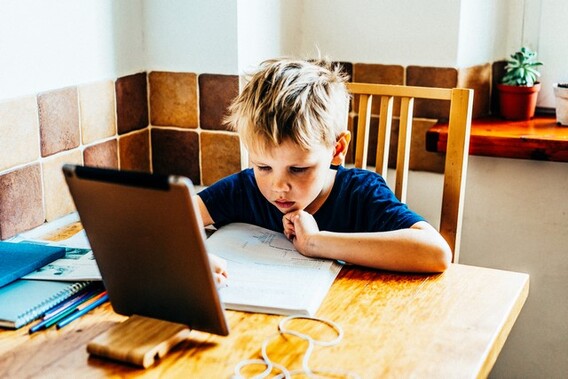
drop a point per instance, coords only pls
(461, 103)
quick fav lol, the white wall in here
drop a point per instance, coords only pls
(52, 44)
(191, 36)
(261, 39)
(553, 43)
(385, 31)
(483, 32)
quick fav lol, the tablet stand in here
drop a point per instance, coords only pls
(138, 340)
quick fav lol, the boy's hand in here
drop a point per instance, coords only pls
(299, 227)
(219, 268)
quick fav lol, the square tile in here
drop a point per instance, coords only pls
(19, 132)
(21, 205)
(220, 156)
(58, 201)
(131, 103)
(420, 159)
(176, 152)
(134, 151)
(58, 120)
(216, 92)
(104, 154)
(443, 77)
(477, 78)
(97, 109)
(173, 99)
(378, 74)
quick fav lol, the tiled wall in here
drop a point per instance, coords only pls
(165, 122)
(98, 124)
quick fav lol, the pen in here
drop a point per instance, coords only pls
(80, 312)
(54, 316)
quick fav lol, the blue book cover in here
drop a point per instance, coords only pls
(20, 258)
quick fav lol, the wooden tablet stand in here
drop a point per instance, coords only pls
(138, 340)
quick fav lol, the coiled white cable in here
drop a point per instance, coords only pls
(305, 370)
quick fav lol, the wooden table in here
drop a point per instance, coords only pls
(537, 139)
(450, 325)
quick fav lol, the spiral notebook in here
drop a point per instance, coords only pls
(23, 301)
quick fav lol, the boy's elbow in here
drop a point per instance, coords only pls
(443, 258)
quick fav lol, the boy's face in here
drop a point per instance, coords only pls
(292, 178)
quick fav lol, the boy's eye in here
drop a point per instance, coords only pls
(263, 168)
(298, 170)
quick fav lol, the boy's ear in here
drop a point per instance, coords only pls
(341, 146)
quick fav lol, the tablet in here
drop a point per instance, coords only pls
(148, 239)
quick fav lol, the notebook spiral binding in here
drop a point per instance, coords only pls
(35, 312)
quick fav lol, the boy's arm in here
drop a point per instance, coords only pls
(205, 216)
(419, 248)
(218, 264)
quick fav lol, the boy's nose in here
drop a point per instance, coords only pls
(280, 184)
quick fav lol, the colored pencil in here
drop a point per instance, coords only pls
(102, 298)
(56, 316)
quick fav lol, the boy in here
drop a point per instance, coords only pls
(291, 117)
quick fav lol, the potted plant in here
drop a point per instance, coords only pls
(519, 87)
(561, 94)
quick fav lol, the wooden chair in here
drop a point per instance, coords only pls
(455, 171)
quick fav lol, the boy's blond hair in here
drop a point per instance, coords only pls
(304, 101)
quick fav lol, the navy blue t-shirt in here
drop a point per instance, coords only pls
(360, 201)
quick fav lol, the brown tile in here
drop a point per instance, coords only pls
(98, 114)
(58, 120)
(420, 159)
(134, 150)
(21, 205)
(173, 99)
(215, 94)
(176, 152)
(131, 103)
(220, 156)
(58, 202)
(477, 78)
(104, 154)
(431, 77)
(380, 74)
(19, 132)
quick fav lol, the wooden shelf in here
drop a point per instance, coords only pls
(537, 139)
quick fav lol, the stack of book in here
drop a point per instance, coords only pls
(24, 300)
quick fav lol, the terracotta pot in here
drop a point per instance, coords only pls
(561, 95)
(517, 102)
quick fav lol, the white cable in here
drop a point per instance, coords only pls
(306, 370)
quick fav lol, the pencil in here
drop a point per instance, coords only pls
(102, 298)
(54, 316)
